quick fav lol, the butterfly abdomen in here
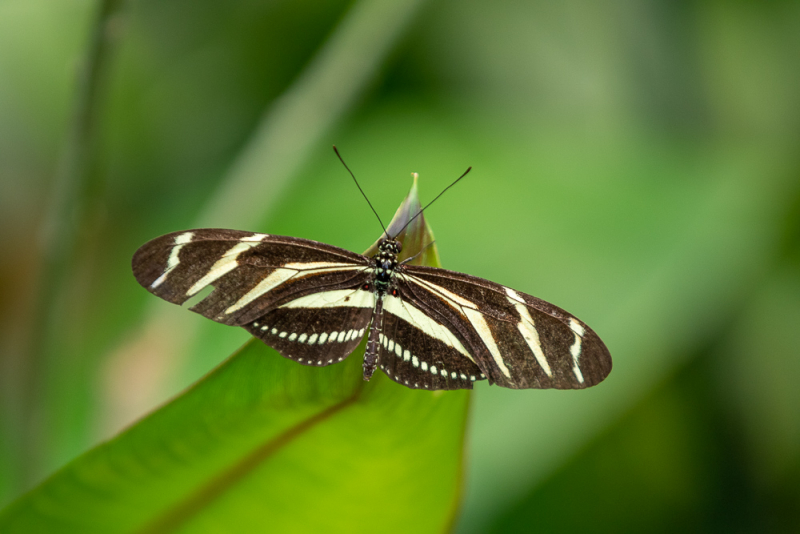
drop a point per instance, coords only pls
(374, 340)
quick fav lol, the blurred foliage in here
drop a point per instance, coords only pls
(634, 162)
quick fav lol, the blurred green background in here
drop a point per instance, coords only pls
(636, 163)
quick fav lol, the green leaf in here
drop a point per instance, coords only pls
(264, 443)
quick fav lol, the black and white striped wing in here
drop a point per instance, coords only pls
(317, 329)
(422, 351)
(303, 298)
(515, 340)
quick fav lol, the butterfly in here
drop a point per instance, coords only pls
(426, 327)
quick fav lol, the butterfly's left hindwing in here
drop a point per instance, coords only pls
(318, 329)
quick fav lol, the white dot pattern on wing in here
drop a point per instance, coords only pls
(388, 344)
(331, 337)
(335, 336)
(392, 346)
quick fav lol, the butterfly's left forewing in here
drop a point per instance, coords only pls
(517, 341)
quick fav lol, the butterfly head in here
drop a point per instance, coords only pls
(389, 246)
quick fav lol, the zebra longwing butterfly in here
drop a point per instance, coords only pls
(428, 328)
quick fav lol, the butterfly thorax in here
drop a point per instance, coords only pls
(385, 262)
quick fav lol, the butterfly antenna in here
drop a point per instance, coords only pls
(412, 258)
(432, 201)
(362, 191)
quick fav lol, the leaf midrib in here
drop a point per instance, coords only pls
(181, 512)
